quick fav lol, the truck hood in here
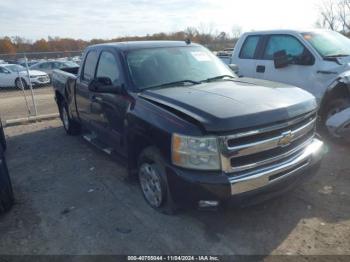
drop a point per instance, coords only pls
(232, 105)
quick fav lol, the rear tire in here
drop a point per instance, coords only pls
(2, 138)
(153, 181)
(18, 83)
(6, 192)
(72, 127)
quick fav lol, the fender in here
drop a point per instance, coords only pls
(340, 86)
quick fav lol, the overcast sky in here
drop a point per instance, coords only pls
(89, 19)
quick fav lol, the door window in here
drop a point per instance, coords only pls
(288, 43)
(108, 67)
(57, 65)
(45, 66)
(90, 65)
(249, 47)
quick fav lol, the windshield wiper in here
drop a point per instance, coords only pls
(336, 55)
(175, 83)
(218, 78)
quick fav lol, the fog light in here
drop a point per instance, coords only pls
(206, 203)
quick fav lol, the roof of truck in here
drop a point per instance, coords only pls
(125, 46)
(285, 31)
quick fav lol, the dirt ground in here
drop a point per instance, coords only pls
(74, 199)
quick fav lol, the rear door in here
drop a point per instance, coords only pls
(83, 95)
(302, 70)
(246, 56)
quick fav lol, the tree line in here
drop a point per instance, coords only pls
(204, 34)
(335, 15)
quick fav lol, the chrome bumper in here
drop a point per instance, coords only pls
(266, 176)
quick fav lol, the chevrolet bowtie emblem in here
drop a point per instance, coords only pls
(286, 138)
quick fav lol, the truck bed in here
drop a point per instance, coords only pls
(63, 78)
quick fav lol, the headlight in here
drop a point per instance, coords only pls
(33, 76)
(195, 152)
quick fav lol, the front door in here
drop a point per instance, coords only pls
(108, 109)
(6, 78)
(302, 70)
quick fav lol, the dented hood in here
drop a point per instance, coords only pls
(231, 105)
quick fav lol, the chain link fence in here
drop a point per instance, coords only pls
(25, 82)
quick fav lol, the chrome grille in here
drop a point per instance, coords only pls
(246, 151)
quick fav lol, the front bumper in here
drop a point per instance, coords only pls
(40, 81)
(188, 186)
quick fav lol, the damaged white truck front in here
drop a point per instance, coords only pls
(315, 60)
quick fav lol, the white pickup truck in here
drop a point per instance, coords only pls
(317, 61)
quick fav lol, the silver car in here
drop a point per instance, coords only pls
(49, 66)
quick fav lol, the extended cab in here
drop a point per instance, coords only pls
(314, 60)
(186, 125)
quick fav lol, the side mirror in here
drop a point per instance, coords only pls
(104, 85)
(234, 68)
(281, 59)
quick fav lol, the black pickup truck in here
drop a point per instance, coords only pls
(187, 127)
(6, 193)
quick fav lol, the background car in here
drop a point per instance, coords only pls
(16, 75)
(30, 63)
(49, 66)
(6, 192)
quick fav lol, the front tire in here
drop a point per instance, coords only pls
(153, 181)
(6, 192)
(72, 128)
(21, 83)
(331, 108)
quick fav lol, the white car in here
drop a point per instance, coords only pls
(315, 60)
(12, 74)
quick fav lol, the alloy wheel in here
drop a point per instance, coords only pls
(151, 184)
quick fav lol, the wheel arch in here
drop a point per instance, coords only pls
(339, 89)
(18, 78)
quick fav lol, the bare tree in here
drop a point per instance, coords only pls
(191, 32)
(344, 15)
(236, 31)
(329, 14)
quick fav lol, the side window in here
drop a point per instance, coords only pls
(283, 42)
(56, 65)
(108, 67)
(249, 47)
(2, 71)
(90, 65)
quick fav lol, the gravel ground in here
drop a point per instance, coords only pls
(74, 199)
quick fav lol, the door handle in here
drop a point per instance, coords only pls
(260, 69)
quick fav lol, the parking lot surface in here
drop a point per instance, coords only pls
(13, 104)
(73, 199)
